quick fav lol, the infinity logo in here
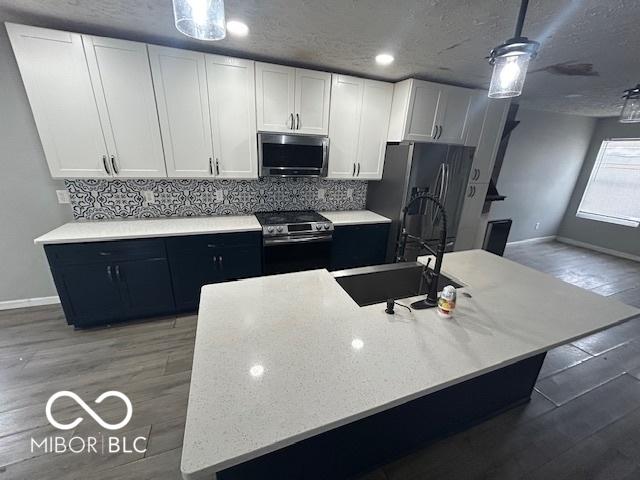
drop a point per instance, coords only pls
(89, 410)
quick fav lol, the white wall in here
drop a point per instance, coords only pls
(539, 172)
(606, 235)
(28, 205)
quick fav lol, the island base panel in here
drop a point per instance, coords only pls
(381, 438)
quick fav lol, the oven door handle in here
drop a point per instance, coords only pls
(305, 239)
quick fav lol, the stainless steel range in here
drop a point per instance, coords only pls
(294, 241)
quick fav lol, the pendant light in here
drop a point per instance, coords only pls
(631, 109)
(201, 19)
(511, 60)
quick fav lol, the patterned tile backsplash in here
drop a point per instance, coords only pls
(113, 199)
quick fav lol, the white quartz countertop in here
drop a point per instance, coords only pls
(354, 217)
(76, 232)
(282, 358)
(98, 231)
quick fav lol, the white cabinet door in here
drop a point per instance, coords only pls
(56, 78)
(313, 91)
(233, 116)
(452, 115)
(180, 81)
(489, 141)
(424, 101)
(123, 88)
(477, 109)
(275, 97)
(470, 218)
(344, 125)
(374, 123)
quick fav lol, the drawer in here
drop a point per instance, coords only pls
(117, 250)
(200, 244)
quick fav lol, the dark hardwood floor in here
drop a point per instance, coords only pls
(583, 421)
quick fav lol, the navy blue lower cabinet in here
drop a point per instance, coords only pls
(145, 287)
(204, 259)
(89, 294)
(106, 282)
(359, 245)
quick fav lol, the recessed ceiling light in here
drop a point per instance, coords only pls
(237, 28)
(384, 59)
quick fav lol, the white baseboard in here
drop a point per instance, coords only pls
(550, 238)
(596, 248)
(29, 302)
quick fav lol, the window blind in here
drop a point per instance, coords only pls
(613, 192)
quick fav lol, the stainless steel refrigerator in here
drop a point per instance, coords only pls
(414, 168)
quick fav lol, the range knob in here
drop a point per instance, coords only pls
(326, 226)
(270, 229)
(318, 227)
(279, 228)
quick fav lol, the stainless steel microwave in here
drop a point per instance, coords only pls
(284, 155)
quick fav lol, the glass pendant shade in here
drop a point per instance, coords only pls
(509, 72)
(201, 19)
(631, 110)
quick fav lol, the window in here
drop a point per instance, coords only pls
(613, 192)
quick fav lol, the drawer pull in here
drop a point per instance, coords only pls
(104, 254)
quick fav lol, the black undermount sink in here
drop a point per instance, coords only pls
(376, 284)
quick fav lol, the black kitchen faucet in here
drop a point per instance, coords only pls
(430, 275)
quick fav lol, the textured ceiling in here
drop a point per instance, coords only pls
(442, 40)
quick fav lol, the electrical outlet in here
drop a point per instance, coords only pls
(149, 197)
(219, 196)
(322, 193)
(537, 225)
(63, 196)
(350, 193)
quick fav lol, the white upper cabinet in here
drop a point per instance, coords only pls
(477, 109)
(344, 125)
(430, 112)
(359, 121)
(180, 81)
(374, 124)
(233, 116)
(292, 100)
(313, 92)
(492, 127)
(275, 97)
(56, 79)
(414, 111)
(123, 89)
(453, 119)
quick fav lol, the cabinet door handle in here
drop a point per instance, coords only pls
(105, 164)
(291, 118)
(470, 192)
(353, 174)
(211, 245)
(297, 121)
(109, 273)
(358, 174)
(434, 133)
(215, 261)
(221, 260)
(217, 167)
(439, 132)
(114, 165)
(210, 166)
(118, 273)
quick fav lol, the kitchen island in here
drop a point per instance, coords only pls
(292, 379)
